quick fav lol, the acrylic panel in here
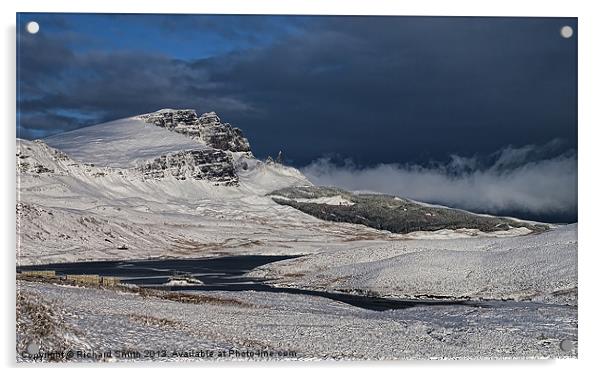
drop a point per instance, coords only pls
(262, 187)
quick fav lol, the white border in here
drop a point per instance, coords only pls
(552, 8)
(590, 63)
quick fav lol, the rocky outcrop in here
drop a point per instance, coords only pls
(28, 163)
(207, 128)
(211, 164)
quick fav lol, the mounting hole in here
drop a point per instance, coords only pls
(33, 348)
(566, 32)
(567, 345)
(32, 27)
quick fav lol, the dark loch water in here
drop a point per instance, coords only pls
(218, 274)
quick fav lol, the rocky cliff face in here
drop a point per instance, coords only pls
(207, 128)
(213, 165)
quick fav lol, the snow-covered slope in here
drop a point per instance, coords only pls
(174, 184)
(186, 203)
(121, 143)
(534, 267)
(313, 327)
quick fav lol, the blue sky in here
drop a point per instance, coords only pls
(410, 91)
(177, 36)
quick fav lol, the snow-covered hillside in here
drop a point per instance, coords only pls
(121, 143)
(155, 192)
(128, 142)
(174, 184)
(535, 267)
(301, 326)
(72, 211)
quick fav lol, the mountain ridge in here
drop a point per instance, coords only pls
(168, 142)
(160, 192)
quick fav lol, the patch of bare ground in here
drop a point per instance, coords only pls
(364, 237)
(41, 329)
(294, 275)
(153, 321)
(339, 279)
(192, 298)
(185, 247)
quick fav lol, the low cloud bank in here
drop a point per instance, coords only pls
(525, 180)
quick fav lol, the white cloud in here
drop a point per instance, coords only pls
(511, 181)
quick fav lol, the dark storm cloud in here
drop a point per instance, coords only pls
(364, 86)
(378, 90)
(361, 83)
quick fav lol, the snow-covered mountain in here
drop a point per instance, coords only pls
(169, 143)
(127, 142)
(174, 184)
(169, 183)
